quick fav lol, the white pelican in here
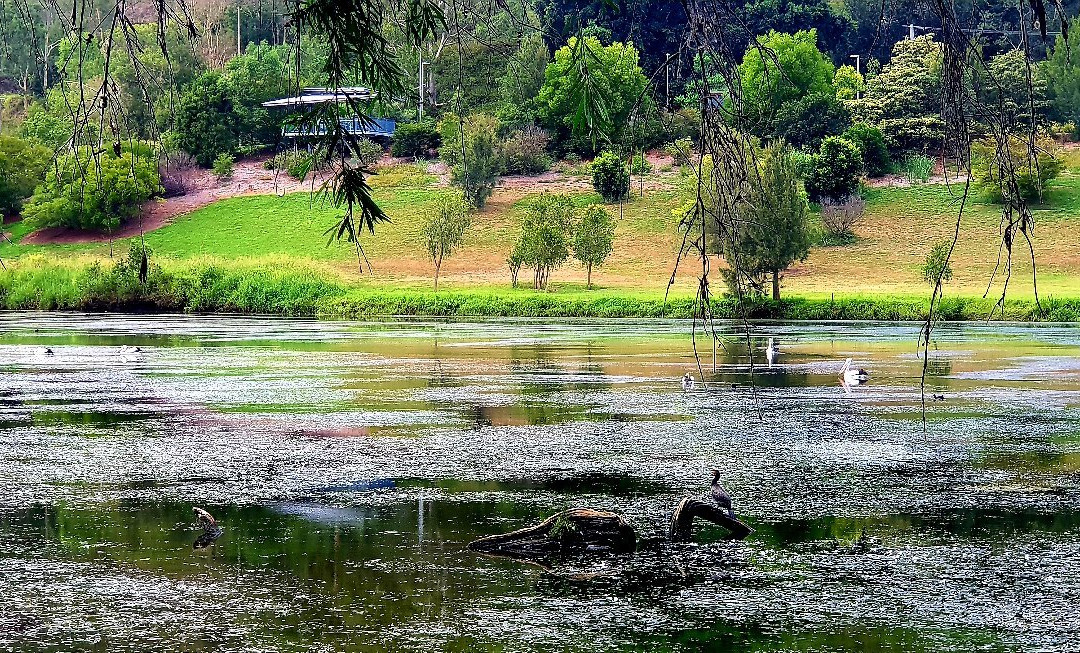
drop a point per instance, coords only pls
(771, 352)
(854, 376)
(687, 382)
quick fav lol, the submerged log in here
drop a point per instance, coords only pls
(682, 520)
(578, 530)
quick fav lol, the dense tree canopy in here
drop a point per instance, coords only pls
(792, 69)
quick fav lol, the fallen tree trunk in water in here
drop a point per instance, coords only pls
(682, 520)
(578, 530)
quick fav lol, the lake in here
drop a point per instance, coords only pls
(349, 464)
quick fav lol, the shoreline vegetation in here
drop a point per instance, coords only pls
(298, 291)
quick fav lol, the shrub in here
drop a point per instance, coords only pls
(804, 163)
(680, 151)
(917, 168)
(81, 195)
(937, 263)
(840, 218)
(1031, 177)
(223, 166)
(871, 144)
(526, 151)
(483, 164)
(46, 128)
(415, 139)
(176, 170)
(835, 174)
(593, 239)
(610, 177)
(639, 165)
(368, 152)
(22, 167)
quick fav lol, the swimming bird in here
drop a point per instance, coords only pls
(46, 351)
(853, 376)
(720, 496)
(938, 397)
(771, 352)
(687, 382)
(128, 349)
(211, 530)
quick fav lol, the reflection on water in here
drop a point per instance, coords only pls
(349, 465)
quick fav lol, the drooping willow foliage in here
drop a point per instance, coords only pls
(356, 34)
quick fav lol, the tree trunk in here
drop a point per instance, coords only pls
(438, 264)
(588, 276)
(776, 285)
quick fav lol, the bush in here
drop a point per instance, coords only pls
(176, 170)
(368, 152)
(81, 195)
(840, 218)
(680, 151)
(415, 139)
(1031, 180)
(639, 165)
(223, 166)
(22, 167)
(835, 174)
(526, 151)
(871, 144)
(610, 177)
(483, 161)
(937, 263)
(46, 128)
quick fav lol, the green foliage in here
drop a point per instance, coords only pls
(223, 166)
(526, 151)
(639, 165)
(474, 75)
(837, 167)
(444, 229)
(260, 74)
(848, 84)
(415, 139)
(150, 83)
(1004, 86)
(545, 236)
(904, 98)
(775, 230)
(483, 162)
(936, 264)
(46, 128)
(22, 167)
(1033, 170)
(871, 144)
(610, 177)
(206, 125)
(93, 193)
(590, 89)
(520, 86)
(806, 121)
(1061, 71)
(680, 151)
(792, 69)
(368, 152)
(916, 168)
(593, 239)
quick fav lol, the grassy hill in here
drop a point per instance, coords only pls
(900, 225)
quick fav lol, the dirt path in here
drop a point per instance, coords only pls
(249, 178)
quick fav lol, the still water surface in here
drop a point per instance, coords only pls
(350, 463)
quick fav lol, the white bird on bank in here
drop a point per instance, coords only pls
(771, 352)
(128, 349)
(854, 376)
(687, 382)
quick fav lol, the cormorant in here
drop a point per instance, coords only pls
(720, 495)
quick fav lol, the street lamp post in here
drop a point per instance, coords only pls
(858, 71)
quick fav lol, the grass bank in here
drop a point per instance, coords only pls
(297, 288)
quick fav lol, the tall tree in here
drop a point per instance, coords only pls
(593, 239)
(784, 68)
(444, 230)
(775, 229)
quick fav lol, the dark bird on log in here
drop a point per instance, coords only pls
(211, 530)
(720, 496)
